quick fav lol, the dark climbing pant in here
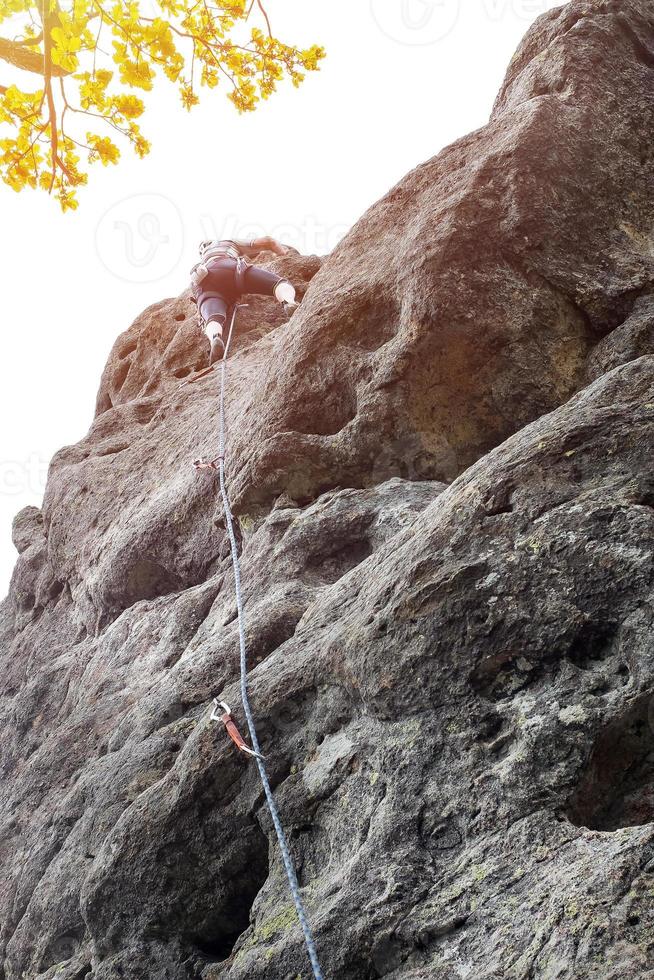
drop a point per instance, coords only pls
(223, 287)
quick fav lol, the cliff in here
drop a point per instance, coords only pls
(442, 471)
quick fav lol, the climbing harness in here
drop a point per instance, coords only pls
(219, 464)
(242, 266)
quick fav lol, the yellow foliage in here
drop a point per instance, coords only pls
(102, 148)
(128, 106)
(192, 45)
(138, 74)
(64, 51)
(189, 98)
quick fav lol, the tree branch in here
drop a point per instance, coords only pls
(17, 54)
(47, 67)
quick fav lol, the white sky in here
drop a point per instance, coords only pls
(402, 79)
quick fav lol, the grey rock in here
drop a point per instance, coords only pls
(442, 472)
(630, 340)
(27, 526)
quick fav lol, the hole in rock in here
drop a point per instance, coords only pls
(83, 972)
(120, 375)
(499, 509)
(489, 726)
(112, 450)
(645, 499)
(337, 562)
(128, 349)
(228, 919)
(326, 418)
(62, 948)
(616, 788)
(591, 644)
(499, 502)
(55, 590)
(147, 579)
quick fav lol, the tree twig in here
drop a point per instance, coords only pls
(266, 18)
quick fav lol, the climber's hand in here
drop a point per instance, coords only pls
(272, 245)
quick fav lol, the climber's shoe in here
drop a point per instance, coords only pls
(217, 349)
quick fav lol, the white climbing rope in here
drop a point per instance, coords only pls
(272, 806)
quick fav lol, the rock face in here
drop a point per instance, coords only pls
(442, 467)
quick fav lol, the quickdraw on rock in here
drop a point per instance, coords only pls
(208, 464)
(197, 377)
(218, 464)
(230, 726)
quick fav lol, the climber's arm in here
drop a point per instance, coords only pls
(264, 244)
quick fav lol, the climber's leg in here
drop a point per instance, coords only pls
(257, 280)
(213, 310)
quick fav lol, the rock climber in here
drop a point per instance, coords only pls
(224, 273)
